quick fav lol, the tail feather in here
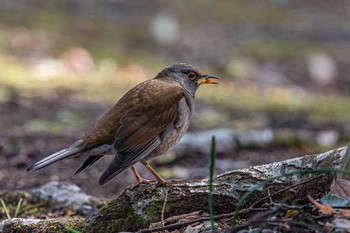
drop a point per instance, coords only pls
(71, 151)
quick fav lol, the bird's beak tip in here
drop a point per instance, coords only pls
(208, 79)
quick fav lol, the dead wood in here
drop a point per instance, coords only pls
(289, 180)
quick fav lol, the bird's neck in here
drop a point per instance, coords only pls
(190, 101)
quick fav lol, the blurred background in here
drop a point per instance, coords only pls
(284, 89)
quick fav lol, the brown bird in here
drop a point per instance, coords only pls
(146, 122)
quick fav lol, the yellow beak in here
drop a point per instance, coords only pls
(208, 79)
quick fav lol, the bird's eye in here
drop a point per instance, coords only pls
(192, 76)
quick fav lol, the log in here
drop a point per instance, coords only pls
(138, 208)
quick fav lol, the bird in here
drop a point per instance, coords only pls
(146, 122)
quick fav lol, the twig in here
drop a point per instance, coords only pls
(294, 223)
(288, 174)
(178, 225)
(269, 194)
(283, 205)
(285, 189)
(177, 218)
(163, 208)
(257, 219)
(295, 207)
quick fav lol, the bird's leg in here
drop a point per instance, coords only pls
(139, 179)
(160, 180)
(154, 173)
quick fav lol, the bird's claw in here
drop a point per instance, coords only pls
(141, 181)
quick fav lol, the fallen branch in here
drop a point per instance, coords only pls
(138, 208)
(234, 194)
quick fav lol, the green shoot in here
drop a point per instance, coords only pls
(72, 230)
(211, 175)
(5, 209)
(19, 203)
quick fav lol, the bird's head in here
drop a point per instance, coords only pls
(187, 75)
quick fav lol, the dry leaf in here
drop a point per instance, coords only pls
(341, 188)
(325, 209)
(69, 213)
(328, 209)
(291, 213)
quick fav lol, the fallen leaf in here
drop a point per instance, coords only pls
(341, 187)
(325, 209)
(291, 213)
(69, 213)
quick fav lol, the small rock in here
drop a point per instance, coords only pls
(322, 69)
(62, 195)
(165, 28)
(256, 137)
(79, 60)
(201, 141)
(328, 138)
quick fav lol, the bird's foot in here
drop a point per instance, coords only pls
(172, 181)
(141, 181)
(155, 182)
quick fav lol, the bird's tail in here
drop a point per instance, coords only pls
(70, 151)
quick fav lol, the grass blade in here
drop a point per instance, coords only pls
(71, 230)
(19, 204)
(5, 209)
(211, 175)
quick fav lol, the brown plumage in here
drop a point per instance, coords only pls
(146, 122)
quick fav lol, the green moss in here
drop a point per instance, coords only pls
(11, 198)
(120, 215)
(34, 209)
(77, 224)
(114, 217)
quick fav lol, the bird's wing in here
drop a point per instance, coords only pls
(143, 127)
(93, 156)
